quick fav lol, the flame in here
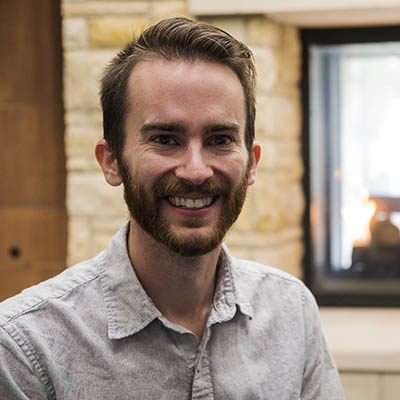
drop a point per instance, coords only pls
(360, 217)
(367, 211)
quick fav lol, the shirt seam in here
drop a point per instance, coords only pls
(107, 301)
(46, 299)
(28, 350)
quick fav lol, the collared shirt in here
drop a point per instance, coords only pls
(92, 332)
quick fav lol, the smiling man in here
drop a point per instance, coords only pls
(165, 311)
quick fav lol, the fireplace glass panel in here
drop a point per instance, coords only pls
(354, 94)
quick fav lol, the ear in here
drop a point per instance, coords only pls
(255, 155)
(108, 163)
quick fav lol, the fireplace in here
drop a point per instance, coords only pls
(351, 103)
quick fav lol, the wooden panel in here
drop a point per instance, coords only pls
(17, 277)
(32, 163)
(30, 61)
(38, 232)
(32, 160)
(32, 247)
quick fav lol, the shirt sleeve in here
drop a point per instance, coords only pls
(320, 376)
(18, 375)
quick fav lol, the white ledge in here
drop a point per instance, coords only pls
(307, 13)
(365, 340)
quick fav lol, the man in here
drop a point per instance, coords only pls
(165, 311)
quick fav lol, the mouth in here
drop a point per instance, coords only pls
(192, 204)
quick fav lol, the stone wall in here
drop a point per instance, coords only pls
(269, 229)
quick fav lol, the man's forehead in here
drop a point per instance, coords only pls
(158, 77)
(160, 65)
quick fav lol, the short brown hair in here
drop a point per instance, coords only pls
(174, 39)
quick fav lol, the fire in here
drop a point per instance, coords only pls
(360, 217)
(367, 211)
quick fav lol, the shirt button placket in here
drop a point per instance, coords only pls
(202, 383)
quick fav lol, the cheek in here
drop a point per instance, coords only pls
(236, 170)
(152, 170)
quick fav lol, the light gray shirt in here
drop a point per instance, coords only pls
(93, 333)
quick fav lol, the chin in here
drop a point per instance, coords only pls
(191, 243)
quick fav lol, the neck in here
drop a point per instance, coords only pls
(182, 288)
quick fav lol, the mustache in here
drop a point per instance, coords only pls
(209, 188)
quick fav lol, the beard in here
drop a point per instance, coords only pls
(144, 206)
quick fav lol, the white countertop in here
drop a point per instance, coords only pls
(363, 339)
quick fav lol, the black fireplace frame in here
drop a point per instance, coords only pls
(337, 297)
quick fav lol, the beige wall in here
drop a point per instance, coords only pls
(269, 229)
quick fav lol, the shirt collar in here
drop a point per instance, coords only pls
(228, 296)
(129, 309)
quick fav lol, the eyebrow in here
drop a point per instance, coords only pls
(161, 127)
(173, 127)
(223, 127)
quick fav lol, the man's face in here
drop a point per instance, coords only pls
(185, 166)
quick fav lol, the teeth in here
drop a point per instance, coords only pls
(190, 203)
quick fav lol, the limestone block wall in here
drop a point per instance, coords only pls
(269, 229)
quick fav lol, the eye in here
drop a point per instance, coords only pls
(164, 139)
(221, 140)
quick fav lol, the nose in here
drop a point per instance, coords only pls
(194, 166)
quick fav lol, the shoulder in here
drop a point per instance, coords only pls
(258, 270)
(71, 281)
(260, 283)
(246, 270)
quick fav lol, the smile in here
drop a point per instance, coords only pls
(190, 203)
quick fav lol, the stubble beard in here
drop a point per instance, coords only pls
(144, 207)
